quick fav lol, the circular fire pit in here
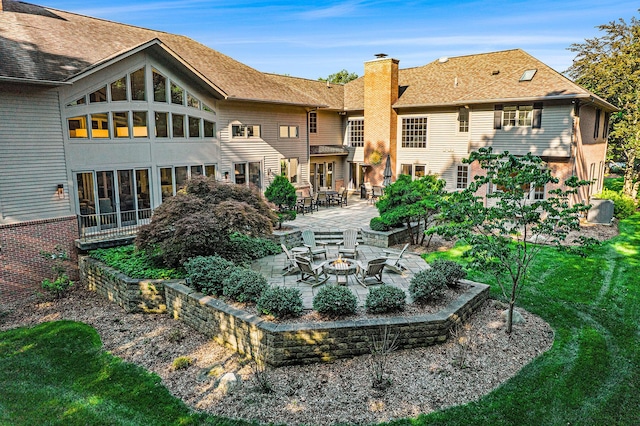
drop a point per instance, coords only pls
(341, 268)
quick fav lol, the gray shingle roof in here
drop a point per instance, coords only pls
(44, 44)
(38, 43)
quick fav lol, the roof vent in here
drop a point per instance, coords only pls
(380, 55)
(495, 72)
(443, 59)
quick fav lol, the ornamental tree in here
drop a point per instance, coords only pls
(281, 193)
(202, 218)
(412, 203)
(506, 233)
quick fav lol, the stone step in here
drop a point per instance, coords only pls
(333, 237)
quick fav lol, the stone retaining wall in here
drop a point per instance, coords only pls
(131, 294)
(277, 344)
(304, 343)
(290, 238)
(386, 238)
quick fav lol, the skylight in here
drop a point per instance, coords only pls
(528, 75)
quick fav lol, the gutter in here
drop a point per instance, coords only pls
(268, 101)
(34, 82)
(593, 98)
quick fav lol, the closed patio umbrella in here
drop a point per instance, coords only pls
(387, 172)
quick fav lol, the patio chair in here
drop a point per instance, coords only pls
(393, 260)
(315, 247)
(310, 273)
(376, 193)
(290, 265)
(348, 246)
(321, 199)
(371, 271)
(340, 199)
(306, 205)
(369, 190)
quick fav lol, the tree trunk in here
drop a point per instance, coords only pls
(629, 174)
(512, 303)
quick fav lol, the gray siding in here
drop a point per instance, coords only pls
(32, 155)
(330, 129)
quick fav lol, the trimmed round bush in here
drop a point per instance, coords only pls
(427, 285)
(244, 285)
(335, 300)
(281, 302)
(377, 224)
(452, 271)
(207, 273)
(385, 299)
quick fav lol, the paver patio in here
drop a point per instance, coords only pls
(356, 215)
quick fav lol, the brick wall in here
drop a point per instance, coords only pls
(381, 120)
(22, 267)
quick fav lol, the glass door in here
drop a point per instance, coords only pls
(107, 209)
(240, 173)
(127, 195)
(254, 174)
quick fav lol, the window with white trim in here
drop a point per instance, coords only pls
(288, 132)
(356, 132)
(245, 131)
(463, 120)
(462, 177)
(313, 122)
(414, 132)
(406, 169)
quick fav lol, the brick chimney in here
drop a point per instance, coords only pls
(380, 119)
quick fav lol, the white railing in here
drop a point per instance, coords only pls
(112, 225)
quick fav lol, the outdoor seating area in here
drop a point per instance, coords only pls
(325, 197)
(308, 275)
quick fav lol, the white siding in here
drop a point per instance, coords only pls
(269, 148)
(446, 147)
(32, 156)
(552, 139)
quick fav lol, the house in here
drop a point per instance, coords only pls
(101, 121)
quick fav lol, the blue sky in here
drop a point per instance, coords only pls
(314, 39)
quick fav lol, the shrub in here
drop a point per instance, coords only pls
(207, 273)
(244, 285)
(61, 282)
(426, 285)
(377, 224)
(135, 263)
(201, 218)
(452, 271)
(281, 193)
(335, 301)
(181, 363)
(280, 302)
(243, 248)
(57, 286)
(385, 299)
(623, 205)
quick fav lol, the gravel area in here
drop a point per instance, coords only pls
(421, 380)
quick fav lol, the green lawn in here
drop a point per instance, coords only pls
(591, 376)
(57, 374)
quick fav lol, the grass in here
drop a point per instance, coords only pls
(56, 373)
(591, 376)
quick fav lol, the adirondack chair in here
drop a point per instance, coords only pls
(290, 265)
(316, 248)
(371, 271)
(311, 274)
(348, 247)
(393, 260)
